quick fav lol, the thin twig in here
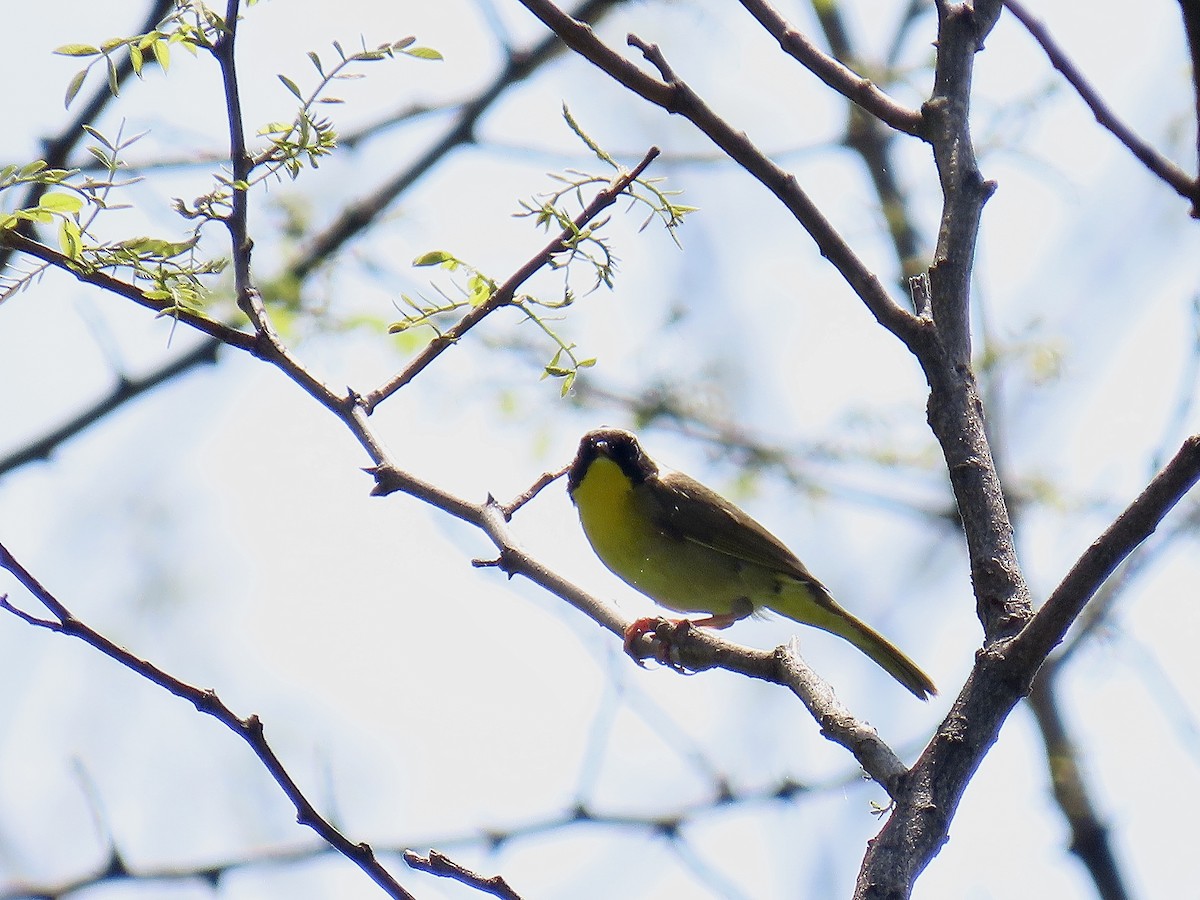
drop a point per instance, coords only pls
(125, 390)
(504, 294)
(206, 701)
(440, 864)
(219, 330)
(362, 213)
(544, 480)
(675, 96)
(1186, 186)
(859, 90)
(56, 152)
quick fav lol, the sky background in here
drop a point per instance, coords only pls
(222, 528)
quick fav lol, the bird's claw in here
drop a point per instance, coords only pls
(663, 633)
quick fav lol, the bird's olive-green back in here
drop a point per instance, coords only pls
(686, 509)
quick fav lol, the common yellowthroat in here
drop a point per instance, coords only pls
(691, 550)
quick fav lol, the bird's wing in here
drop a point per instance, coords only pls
(685, 508)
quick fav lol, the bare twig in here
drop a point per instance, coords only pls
(854, 87)
(544, 480)
(126, 389)
(440, 864)
(1134, 525)
(206, 701)
(1186, 186)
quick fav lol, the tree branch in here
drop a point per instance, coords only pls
(1089, 833)
(1191, 27)
(224, 333)
(56, 152)
(504, 294)
(443, 866)
(858, 90)
(1186, 186)
(356, 217)
(675, 96)
(1134, 525)
(125, 390)
(206, 701)
(874, 143)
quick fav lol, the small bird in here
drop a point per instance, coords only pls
(691, 550)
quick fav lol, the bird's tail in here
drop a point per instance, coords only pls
(819, 609)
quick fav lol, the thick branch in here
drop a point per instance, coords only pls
(921, 819)
(1002, 675)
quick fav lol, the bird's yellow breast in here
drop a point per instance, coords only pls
(678, 573)
(606, 510)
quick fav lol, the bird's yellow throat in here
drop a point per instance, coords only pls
(605, 498)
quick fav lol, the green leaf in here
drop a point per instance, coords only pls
(36, 214)
(69, 239)
(316, 61)
(424, 53)
(162, 54)
(73, 88)
(98, 136)
(101, 157)
(77, 50)
(135, 59)
(114, 83)
(291, 86)
(434, 258)
(61, 203)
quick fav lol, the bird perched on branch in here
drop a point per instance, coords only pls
(691, 550)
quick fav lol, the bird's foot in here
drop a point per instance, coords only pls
(661, 647)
